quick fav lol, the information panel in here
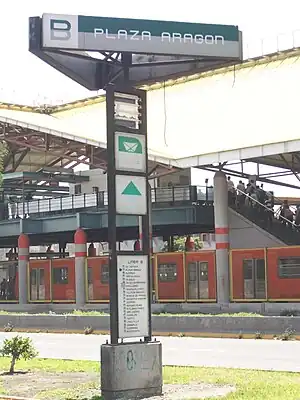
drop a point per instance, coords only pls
(133, 296)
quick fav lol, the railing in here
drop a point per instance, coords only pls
(271, 44)
(253, 200)
(162, 196)
(268, 220)
(41, 206)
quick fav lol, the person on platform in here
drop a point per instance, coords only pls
(241, 190)
(231, 191)
(3, 289)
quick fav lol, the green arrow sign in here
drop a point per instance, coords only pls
(130, 145)
(131, 190)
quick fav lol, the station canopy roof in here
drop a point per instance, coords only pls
(243, 112)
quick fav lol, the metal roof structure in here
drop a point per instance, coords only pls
(38, 139)
(246, 112)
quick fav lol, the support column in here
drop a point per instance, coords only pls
(23, 258)
(80, 260)
(222, 237)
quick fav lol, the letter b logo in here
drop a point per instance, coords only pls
(60, 29)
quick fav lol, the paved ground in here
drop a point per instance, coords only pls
(231, 353)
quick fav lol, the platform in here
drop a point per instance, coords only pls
(53, 228)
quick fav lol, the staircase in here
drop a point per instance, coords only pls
(279, 227)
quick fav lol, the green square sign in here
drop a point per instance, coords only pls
(130, 152)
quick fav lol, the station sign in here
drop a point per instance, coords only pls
(131, 195)
(133, 311)
(128, 194)
(130, 152)
(140, 36)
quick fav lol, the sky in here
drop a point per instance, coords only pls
(26, 79)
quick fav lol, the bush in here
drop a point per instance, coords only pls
(9, 327)
(16, 348)
(258, 335)
(289, 313)
(288, 334)
(88, 330)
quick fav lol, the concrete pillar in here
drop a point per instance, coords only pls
(80, 260)
(222, 237)
(23, 258)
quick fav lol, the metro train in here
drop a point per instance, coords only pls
(256, 275)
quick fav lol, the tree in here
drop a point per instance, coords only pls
(16, 348)
(179, 243)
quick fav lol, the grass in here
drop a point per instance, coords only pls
(99, 313)
(251, 385)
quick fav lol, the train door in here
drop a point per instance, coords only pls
(200, 276)
(39, 280)
(98, 279)
(37, 284)
(254, 278)
(198, 280)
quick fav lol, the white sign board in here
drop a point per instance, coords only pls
(133, 306)
(130, 152)
(131, 195)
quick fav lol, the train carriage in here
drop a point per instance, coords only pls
(256, 275)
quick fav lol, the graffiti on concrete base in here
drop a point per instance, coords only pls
(130, 361)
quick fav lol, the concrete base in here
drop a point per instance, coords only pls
(131, 371)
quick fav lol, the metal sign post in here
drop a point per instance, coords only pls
(129, 271)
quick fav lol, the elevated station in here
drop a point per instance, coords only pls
(217, 120)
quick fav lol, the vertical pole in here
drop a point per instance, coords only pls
(23, 258)
(222, 237)
(151, 262)
(141, 232)
(146, 224)
(80, 259)
(112, 217)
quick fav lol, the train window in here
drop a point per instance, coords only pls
(42, 276)
(198, 269)
(260, 269)
(192, 272)
(60, 275)
(104, 274)
(33, 277)
(204, 271)
(90, 275)
(289, 267)
(248, 269)
(167, 272)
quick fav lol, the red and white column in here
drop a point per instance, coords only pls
(222, 237)
(23, 259)
(80, 261)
